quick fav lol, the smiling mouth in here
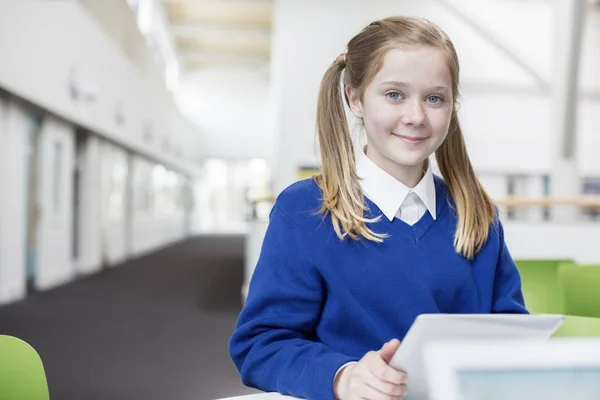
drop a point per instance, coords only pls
(410, 139)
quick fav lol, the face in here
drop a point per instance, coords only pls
(406, 108)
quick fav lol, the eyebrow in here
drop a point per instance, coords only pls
(404, 84)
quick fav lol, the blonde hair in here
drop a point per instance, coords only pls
(343, 198)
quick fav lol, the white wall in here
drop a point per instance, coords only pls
(53, 233)
(506, 120)
(54, 194)
(143, 230)
(91, 205)
(113, 189)
(527, 240)
(47, 49)
(110, 229)
(231, 108)
(54, 262)
(42, 42)
(13, 129)
(155, 220)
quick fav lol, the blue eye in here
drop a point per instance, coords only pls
(394, 95)
(435, 99)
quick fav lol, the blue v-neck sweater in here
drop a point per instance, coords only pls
(316, 302)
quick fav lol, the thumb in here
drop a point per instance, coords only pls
(389, 349)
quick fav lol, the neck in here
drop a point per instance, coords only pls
(408, 175)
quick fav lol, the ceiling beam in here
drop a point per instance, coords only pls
(198, 30)
(218, 60)
(223, 45)
(234, 14)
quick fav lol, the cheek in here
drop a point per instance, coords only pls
(380, 120)
(439, 122)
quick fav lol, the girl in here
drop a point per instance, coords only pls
(351, 258)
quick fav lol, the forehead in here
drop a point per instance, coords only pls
(420, 65)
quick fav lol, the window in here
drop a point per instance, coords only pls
(231, 193)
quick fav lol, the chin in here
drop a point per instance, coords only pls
(408, 161)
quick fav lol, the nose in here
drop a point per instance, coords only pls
(413, 113)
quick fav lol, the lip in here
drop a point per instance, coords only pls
(411, 139)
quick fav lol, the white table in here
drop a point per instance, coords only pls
(262, 396)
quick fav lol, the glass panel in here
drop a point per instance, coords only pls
(231, 193)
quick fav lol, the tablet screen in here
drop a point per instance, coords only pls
(527, 384)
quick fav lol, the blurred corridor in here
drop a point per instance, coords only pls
(156, 327)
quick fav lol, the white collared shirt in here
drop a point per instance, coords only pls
(393, 197)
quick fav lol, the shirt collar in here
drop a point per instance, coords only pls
(387, 192)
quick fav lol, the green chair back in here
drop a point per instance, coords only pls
(574, 326)
(541, 287)
(22, 375)
(581, 289)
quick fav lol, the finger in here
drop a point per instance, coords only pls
(387, 388)
(370, 393)
(381, 370)
(389, 349)
(394, 376)
(366, 376)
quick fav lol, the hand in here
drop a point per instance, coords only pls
(372, 378)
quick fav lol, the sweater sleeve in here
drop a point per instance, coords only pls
(508, 297)
(274, 345)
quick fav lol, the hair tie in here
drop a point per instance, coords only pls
(341, 60)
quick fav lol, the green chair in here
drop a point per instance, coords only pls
(581, 289)
(541, 287)
(22, 375)
(574, 326)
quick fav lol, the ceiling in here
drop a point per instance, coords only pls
(221, 33)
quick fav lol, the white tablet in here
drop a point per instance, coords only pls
(555, 369)
(442, 327)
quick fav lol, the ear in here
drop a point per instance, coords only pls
(354, 100)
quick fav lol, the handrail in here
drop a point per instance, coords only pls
(581, 201)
